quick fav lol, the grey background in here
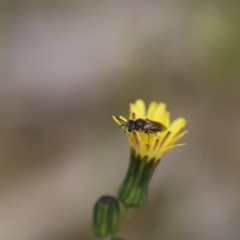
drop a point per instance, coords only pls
(67, 66)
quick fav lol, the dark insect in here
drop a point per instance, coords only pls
(142, 125)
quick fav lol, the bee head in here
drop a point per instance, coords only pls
(129, 125)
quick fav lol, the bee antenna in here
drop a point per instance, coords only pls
(118, 118)
(124, 123)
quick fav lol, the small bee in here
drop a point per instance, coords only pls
(143, 125)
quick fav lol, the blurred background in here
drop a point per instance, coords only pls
(67, 66)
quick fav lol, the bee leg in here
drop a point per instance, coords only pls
(154, 133)
(147, 132)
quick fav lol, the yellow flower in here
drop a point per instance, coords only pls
(152, 146)
(147, 147)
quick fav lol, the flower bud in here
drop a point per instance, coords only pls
(106, 215)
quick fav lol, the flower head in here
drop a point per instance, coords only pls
(147, 144)
(150, 134)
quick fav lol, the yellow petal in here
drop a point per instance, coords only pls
(151, 110)
(166, 119)
(117, 121)
(159, 112)
(177, 125)
(133, 109)
(141, 109)
(173, 140)
(173, 146)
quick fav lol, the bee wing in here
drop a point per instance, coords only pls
(151, 121)
(155, 125)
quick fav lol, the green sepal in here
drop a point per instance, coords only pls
(134, 189)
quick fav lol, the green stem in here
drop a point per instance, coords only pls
(122, 218)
